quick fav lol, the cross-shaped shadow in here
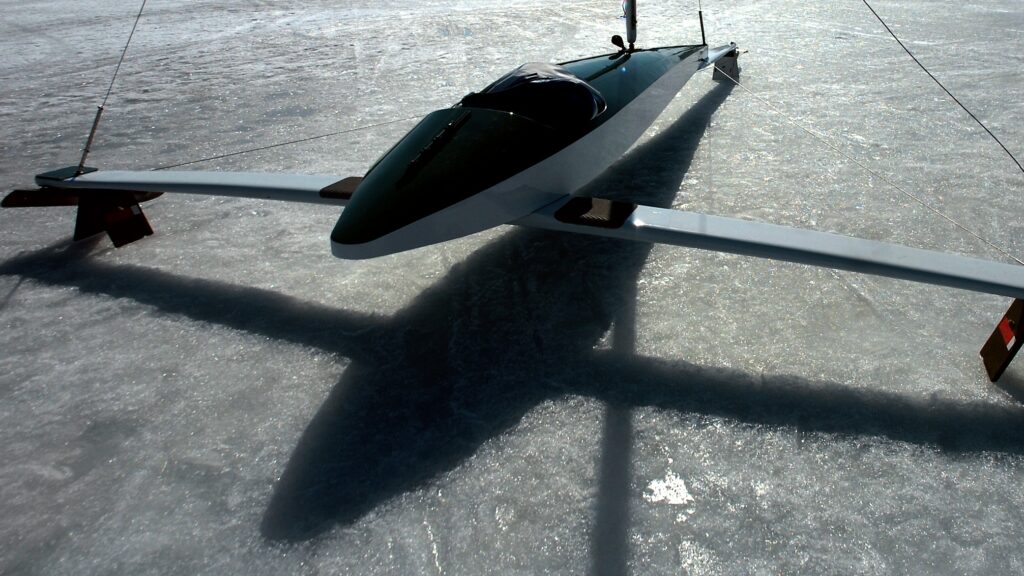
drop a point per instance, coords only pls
(514, 324)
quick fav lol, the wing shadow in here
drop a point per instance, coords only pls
(503, 331)
(514, 324)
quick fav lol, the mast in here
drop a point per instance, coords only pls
(629, 8)
(700, 15)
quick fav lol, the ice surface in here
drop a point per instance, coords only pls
(224, 397)
(671, 489)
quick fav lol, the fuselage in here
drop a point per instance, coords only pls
(466, 168)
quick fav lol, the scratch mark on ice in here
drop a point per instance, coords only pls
(433, 547)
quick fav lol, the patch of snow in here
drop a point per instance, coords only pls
(671, 490)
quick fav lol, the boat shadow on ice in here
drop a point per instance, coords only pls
(516, 323)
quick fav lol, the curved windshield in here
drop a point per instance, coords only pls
(547, 93)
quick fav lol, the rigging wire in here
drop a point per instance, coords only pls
(123, 52)
(110, 88)
(279, 144)
(869, 170)
(944, 89)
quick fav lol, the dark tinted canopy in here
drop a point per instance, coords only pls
(547, 93)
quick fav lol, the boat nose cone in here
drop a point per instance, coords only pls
(450, 156)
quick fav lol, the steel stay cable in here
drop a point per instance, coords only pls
(110, 89)
(99, 109)
(869, 170)
(279, 144)
(944, 89)
(123, 52)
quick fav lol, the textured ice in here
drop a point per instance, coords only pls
(671, 489)
(224, 397)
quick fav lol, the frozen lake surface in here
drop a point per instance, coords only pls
(224, 397)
